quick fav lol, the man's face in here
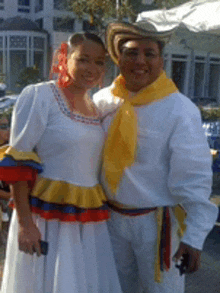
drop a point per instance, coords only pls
(140, 63)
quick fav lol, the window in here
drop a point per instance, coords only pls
(215, 59)
(62, 5)
(18, 42)
(1, 4)
(59, 5)
(39, 62)
(25, 10)
(1, 62)
(179, 56)
(40, 22)
(18, 59)
(214, 81)
(63, 24)
(39, 5)
(23, 6)
(24, 2)
(179, 63)
(199, 79)
(39, 43)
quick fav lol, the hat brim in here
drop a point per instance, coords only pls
(120, 31)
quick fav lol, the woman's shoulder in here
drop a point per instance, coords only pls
(44, 86)
(34, 96)
(37, 91)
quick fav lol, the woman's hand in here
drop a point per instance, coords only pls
(28, 233)
(28, 239)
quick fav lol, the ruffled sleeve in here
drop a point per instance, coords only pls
(19, 160)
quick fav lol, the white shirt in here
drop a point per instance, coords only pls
(68, 144)
(173, 163)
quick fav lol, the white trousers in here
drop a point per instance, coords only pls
(134, 243)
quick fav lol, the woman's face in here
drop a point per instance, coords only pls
(86, 64)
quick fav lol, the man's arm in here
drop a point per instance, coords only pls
(190, 181)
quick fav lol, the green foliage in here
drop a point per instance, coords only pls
(168, 3)
(210, 114)
(28, 76)
(99, 11)
(7, 114)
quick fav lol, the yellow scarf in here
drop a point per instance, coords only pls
(120, 146)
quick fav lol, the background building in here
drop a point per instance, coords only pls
(193, 62)
(30, 30)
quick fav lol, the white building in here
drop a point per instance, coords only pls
(30, 30)
(193, 62)
(192, 58)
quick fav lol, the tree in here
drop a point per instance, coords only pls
(99, 11)
(28, 76)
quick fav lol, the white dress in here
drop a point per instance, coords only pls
(67, 202)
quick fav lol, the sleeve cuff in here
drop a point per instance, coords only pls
(14, 174)
(21, 156)
(18, 162)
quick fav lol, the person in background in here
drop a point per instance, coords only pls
(5, 195)
(54, 157)
(4, 130)
(156, 166)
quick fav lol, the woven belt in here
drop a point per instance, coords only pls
(130, 212)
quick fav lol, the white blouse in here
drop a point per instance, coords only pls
(68, 144)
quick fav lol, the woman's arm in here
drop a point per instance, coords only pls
(28, 233)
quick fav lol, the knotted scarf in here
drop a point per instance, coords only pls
(121, 144)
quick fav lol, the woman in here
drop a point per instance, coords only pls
(56, 132)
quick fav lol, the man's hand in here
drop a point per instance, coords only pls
(194, 257)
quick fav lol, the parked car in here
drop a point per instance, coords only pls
(7, 102)
(212, 131)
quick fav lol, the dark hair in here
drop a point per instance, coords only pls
(160, 44)
(78, 38)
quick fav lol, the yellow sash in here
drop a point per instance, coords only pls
(120, 146)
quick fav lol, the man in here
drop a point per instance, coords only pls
(156, 157)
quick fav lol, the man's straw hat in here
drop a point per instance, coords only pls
(118, 32)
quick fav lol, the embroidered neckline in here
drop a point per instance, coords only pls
(66, 111)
